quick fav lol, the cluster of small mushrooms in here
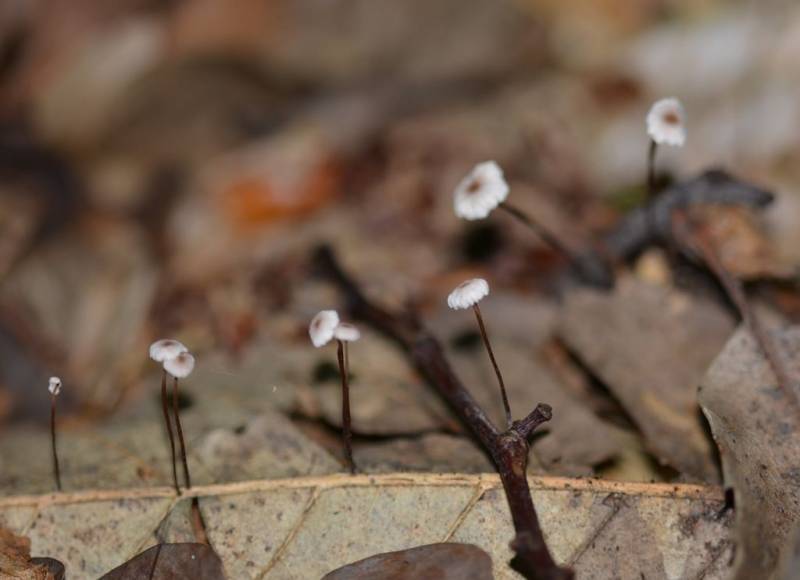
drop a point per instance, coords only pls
(478, 194)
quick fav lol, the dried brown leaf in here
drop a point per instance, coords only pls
(651, 347)
(441, 561)
(171, 562)
(16, 562)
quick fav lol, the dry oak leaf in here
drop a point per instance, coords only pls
(16, 561)
(268, 529)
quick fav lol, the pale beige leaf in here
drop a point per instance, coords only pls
(306, 527)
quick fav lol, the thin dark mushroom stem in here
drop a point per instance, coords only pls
(155, 562)
(488, 345)
(347, 434)
(691, 237)
(508, 449)
(590, 265)
(651, 170)
(56, 469)
(542, 232)
(168, 423)
(176, 412)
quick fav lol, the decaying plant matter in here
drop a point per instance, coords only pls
(692, 239)
(508, 449)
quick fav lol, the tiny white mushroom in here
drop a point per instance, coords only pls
(468, 294)
(666, 122)
(180, 366)
(346, 332)
(165, 349)
(322, 327)
(54, 386)
(480, 192)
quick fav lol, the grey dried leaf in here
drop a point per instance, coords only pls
(755, 426)
(433, 452)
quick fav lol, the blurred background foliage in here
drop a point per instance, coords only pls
(167, 164)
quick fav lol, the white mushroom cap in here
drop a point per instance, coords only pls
(480, 192)
(54, 385)
(165, 349)
(468, 294)
(180, 366)
(322, 327)
(666, 122)
(346, 332)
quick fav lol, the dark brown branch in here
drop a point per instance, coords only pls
(694, 243)
(541, 414)
(508, 450)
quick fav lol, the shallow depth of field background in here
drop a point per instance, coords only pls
(167, 166)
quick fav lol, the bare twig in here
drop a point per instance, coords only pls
(541, 414)
(693, 242)
(508, 450)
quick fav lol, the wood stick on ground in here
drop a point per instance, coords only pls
(507, 449)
